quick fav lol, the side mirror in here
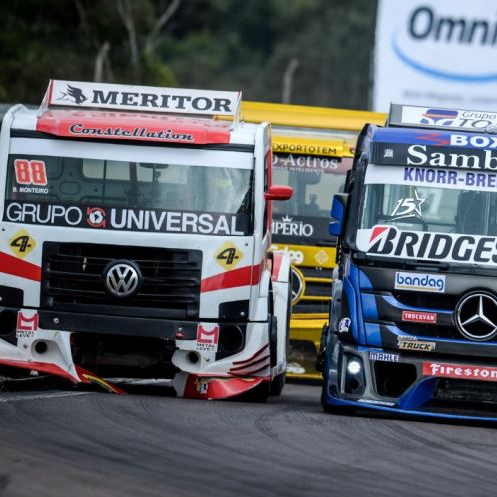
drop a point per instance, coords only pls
(338, 208)
(278, 192)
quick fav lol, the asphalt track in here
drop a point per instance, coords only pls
(65, 443)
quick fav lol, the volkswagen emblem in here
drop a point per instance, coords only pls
(298, 285)
(476, 316)
(122, 278)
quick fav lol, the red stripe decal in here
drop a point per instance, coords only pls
(251, 358)
(249, 275)
(248, 373)
(249, 365)
(17, 267)
(277, 260)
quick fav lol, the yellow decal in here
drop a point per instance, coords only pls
(100, 381)
(228, 256)
(305, 255)
(321, 257)
(22, 243)
(312, 146)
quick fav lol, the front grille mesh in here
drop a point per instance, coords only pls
(320, 289)
(311, 307)
(72, 276)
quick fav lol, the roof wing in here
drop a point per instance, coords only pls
(304, 116)
(413, 116)
(141, 98)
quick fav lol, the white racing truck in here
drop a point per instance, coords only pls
(135, 242)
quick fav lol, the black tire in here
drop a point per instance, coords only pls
(259, 394)
(278, 383)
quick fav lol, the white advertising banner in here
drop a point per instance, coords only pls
(437, 53)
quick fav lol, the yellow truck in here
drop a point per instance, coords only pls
(313, 148)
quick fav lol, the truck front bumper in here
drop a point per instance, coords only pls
(203, 359)
(409, 383)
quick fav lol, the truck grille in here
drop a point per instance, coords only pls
(72, 280)
(317, 291)
(426, 300)
(465, 390)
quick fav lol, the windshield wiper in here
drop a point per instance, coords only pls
(397, 262)
(430, 264)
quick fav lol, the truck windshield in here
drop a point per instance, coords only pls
(154, 183)
(459, 207)
(314, 179)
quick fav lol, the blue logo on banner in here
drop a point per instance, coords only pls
(437, 73)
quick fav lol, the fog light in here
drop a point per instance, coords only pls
(355, 381)
(354, 366)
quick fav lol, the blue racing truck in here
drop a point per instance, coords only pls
(413, 323)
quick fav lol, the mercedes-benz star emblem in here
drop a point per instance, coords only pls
(122, 278)
(298, 285)
(476, 316)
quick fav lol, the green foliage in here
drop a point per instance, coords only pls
(217, 44)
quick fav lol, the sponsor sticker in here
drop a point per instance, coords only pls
(207, 337)
(412, 343)
(376, 402)
(383, 356)
(287, 226)
(113, 218)
(22, 243)
(202, 385)
(95, 217)
(433, 177)
(228, 256)
(408, 207)
(462, 119)
(389, 241)
(434, 156)
(307, 163)
(444, 370)
(132, 97)
(30, 172)
(420, 282)
(296, 256)
(344, 325)
(130, 132)
(27, 324)
(419, 317)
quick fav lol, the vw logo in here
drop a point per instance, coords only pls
(476, 316)
(298, 285)
(122, 278)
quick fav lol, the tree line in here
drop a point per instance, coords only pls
(314, 52)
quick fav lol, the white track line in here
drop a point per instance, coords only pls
(19, 398)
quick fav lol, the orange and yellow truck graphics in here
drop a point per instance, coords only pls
(313, 149)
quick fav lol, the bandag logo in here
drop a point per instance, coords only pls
(420, 282)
